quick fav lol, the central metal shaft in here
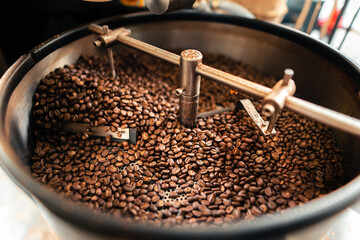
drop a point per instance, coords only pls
(189, 87)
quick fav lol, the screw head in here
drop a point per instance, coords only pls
(268, 110)
(191, 55)
(179, 92)
(97, 43)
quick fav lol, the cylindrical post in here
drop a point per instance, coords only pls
(288, 74)
(110, 54)
(190, 85)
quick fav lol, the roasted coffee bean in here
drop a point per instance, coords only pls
(253, 189)
(286, 194)
(173, 194)
(268, 192)
(175, 171)
(220, 171)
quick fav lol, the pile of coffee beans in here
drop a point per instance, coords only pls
(220, 171)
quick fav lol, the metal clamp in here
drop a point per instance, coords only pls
(274, 102)
(254, 115)
(189, 90)
(106, 38)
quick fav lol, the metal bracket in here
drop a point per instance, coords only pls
(121, 134)
(275, 101)
(255, 116)
(106, 38)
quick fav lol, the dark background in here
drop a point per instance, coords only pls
(25, 24)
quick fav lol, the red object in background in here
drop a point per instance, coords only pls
(321, 22)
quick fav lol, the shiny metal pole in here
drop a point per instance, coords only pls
(189, 90)
(318, 113)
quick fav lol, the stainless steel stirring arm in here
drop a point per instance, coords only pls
(191, 68)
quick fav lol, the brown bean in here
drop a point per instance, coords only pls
(222, 169)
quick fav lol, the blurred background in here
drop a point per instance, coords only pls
(26, 24)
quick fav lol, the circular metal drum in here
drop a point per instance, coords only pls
(323, 76)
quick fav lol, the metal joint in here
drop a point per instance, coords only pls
(274, 102)
(106, 38)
